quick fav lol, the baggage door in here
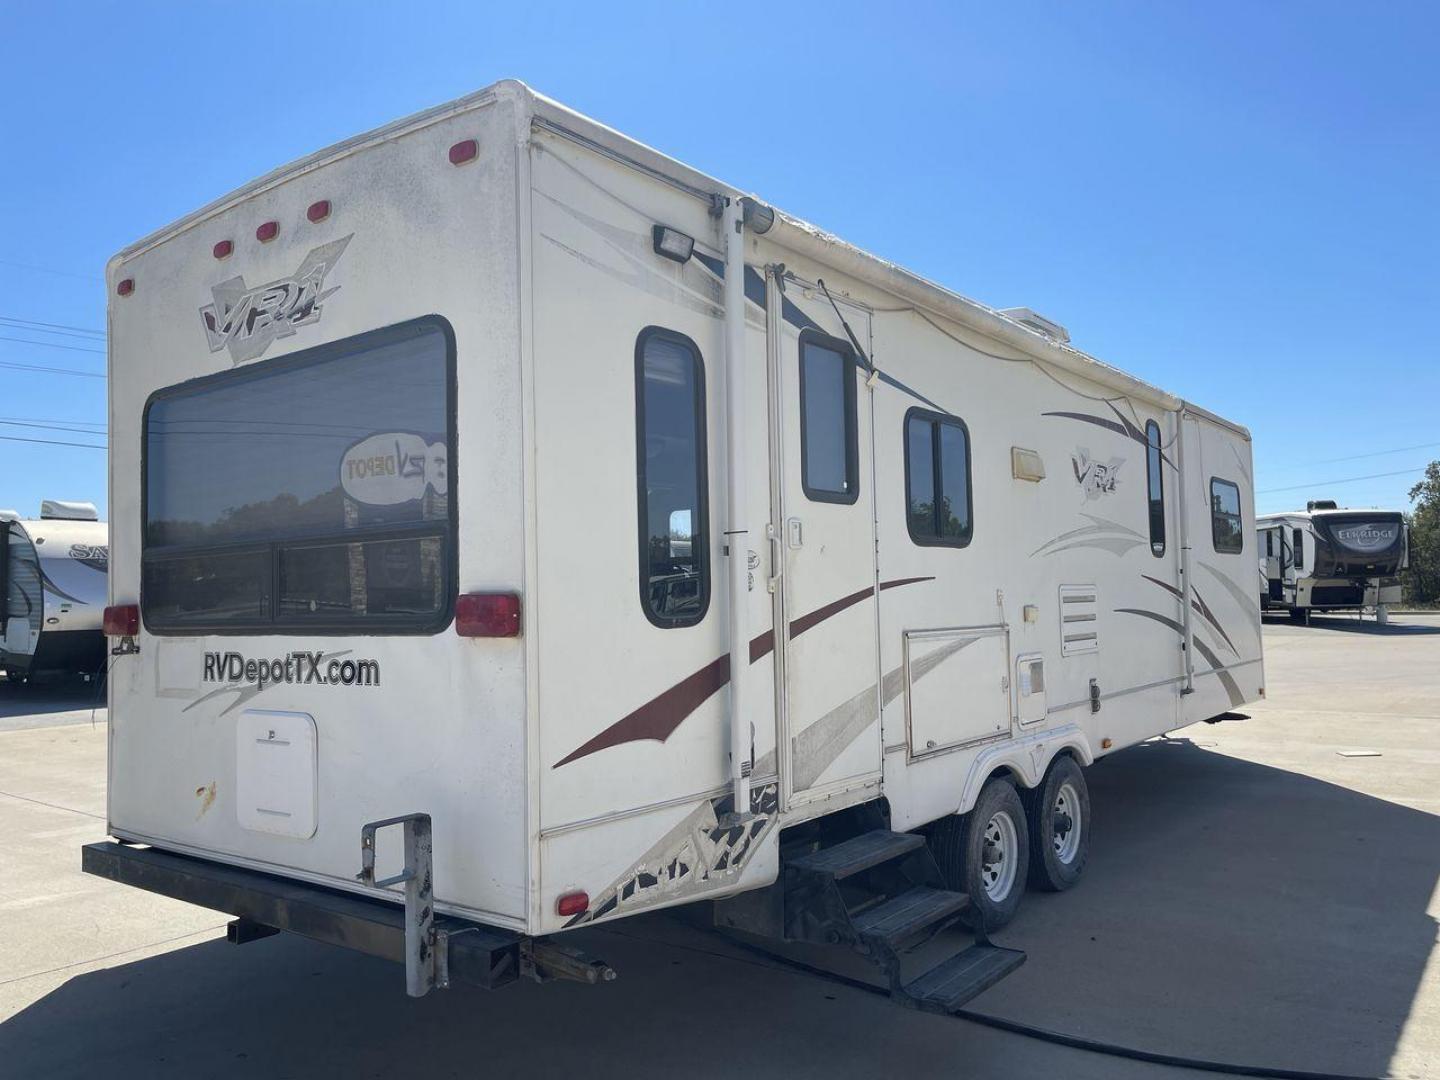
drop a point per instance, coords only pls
(830, 730)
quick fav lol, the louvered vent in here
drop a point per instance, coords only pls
(1079, 627)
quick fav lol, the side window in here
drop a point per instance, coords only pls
(937, 479)
(672, 478)
(1226, 526)
(1299, 550)
(1156, 483)
(829, 458)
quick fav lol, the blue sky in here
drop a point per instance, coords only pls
(1234, 201)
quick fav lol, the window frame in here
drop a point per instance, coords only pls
(700, 534)
(934, 420)
(1215, 517)
(275, 624)
(1155, 451)
(1297, 548)
(849, 497)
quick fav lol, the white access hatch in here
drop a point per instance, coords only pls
(276, 773)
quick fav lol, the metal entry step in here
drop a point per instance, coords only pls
(861, 853)
(951, 983)
(903, 917)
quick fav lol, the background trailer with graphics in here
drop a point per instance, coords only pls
(52, 591)
(513, 521)
(1325, 558)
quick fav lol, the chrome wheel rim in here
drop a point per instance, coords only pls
(1067, 843)
(999, 857)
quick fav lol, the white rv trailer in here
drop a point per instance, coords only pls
(626, 543)
(1325, 558)
(52, 591)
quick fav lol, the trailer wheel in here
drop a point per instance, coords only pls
(986, 853)
(1058, 810)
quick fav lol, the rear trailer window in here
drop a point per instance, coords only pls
(310, 493)
(1225, 522)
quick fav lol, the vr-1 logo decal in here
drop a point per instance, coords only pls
(297, 668)
(1095, 478)
(246, 321)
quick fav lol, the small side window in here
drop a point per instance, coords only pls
(1226, 525)
(1299, 550)
(1156, 482)
(829, 455)
(937, 479)
(672, 478)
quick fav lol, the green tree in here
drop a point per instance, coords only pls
(1422, 580)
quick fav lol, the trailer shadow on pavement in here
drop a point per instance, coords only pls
(38, 704)
(1231, 911)
(1356, 626)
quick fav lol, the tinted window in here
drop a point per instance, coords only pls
(314, 489)
(937, 479)
(1299, 550)
(1154, 459)
(1226, 527)
(673, 479)
(829, 463)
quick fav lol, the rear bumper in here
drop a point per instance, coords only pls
(478, 954)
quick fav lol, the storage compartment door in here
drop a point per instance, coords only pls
(957, 688)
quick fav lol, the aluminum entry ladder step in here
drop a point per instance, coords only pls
(949, 985)
(908, 914)
(858, 854)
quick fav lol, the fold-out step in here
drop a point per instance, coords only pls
(901, 917)
(949, 985)
(858, 854)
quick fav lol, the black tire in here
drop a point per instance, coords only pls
(1049, 872)
(959, 842)
(1298, 615)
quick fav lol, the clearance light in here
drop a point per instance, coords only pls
(267, 232)
(487, 615)
(573, 903)
(126, 287)
(318, 211)
(465, 151)
(122, 620)
(672, 243)
(223, 249)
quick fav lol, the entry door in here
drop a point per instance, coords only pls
(830, 727)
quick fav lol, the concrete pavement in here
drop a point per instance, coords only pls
(1252, 896)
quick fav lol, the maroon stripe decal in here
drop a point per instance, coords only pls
(658, 718)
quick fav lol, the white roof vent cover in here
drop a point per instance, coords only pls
(1035, 321)
(57, 510)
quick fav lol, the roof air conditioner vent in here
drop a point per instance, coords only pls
(57, 510)
(1033, 320)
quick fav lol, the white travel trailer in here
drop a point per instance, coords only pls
(626, 543)
(52, 591)
(1324, 558)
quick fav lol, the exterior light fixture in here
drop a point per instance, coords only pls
(672, 244)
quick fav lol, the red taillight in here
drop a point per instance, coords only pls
(122, 620)
(465, 151)
(267, 232)
(223, 248)
(126, 287)
(487, 615)
(573, 903)
(318, 211)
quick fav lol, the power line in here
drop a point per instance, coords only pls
(53, 345)
(54, 427)
(52, 442)
(51, 326)
(50, 420)
(1377, 453)
(1346, 480)
(50, 370)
